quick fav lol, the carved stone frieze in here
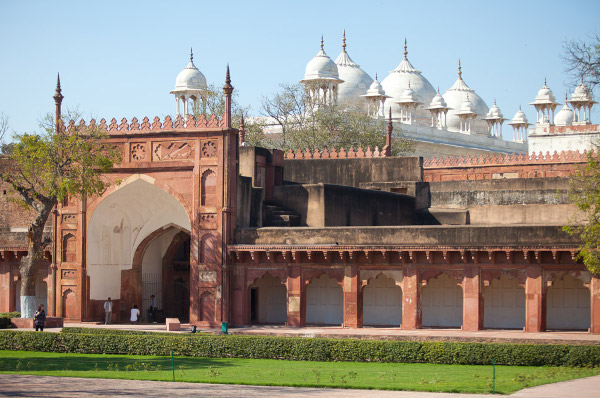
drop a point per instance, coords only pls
(207, 276)
(68, 274)
(175, 150)
(207, 220)
(209, 149)
(138, 152)
(69, 219)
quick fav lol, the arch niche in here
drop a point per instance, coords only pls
(129, 234)
(442, 303)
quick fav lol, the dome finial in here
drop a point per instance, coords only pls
(438, 89)
(545, 81)
(459, 70)
(191, 55)
(405, 51)
(344, 41)
(321, 42)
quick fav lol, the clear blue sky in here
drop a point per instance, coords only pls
(120, 58)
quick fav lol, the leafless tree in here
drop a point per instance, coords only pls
(582, 59)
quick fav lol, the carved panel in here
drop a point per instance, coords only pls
(209, 149)
(69, 219)
(69, 248)
(207, 276)
(138, 152)
(68, 274)
(207, 220)
(176, 150)
(208, 188)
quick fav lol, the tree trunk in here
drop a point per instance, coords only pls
(30, 264)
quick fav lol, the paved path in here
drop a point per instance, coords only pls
(47, 386)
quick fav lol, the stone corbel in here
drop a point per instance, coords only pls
(296, 256)
(538, 256)
(286, 256)
(368, 256)
(351, 256)
(412, 256)
(386, 255)
(510, 256)
(270, 256)
(309, 254)
(326, 256)
(446, 255)
(492, 257)
(556, 256)
(429, 256)
(528, 257)
(255, 256)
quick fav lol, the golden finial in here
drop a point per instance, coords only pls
(191, 55)
(405, 51)
(321, 42)
(344, 41)
(459, 70)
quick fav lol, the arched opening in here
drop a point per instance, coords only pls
(207, 307)
(442, 303)
(324, 302)
(208, 187)
(268, 298)
(69, 304)
(128, 235)
(568, 305)
(504, 304)
(382, 302)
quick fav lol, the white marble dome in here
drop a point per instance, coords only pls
(375, 89)
(438, 102)
(190, 78)
(321, 67)
(581, 93)
(396, 83)
(519, 118)
(455, 96)
(356, 81)
(544, 96)
(494, 112)
(564, 117)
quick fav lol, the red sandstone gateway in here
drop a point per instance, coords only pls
(222, 233)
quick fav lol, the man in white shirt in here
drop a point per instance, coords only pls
(108, 311)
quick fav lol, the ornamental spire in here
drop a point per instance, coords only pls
(344, 41)
(459, 70)
(405, 51)
(191, 55)
(322, 43)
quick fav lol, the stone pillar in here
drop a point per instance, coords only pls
(595, 305)
(472, 299)
(241, 301)
(411, 298)
(535, 306)
(353, 314)
(296, 298)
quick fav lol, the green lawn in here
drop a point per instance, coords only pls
(391, 376)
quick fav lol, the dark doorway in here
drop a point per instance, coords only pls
(176, 277)
(253, 304)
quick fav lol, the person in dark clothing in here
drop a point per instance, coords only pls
(40, 318)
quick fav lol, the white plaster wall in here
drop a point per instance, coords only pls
(324, 302)
(562, 142)
(504, 304)
(568, 305)
(442, 303)
(382, 302)
(272, 296)
(119, 224)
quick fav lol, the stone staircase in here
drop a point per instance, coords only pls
(275, 215)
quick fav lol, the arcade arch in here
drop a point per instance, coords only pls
(324, 302)
(504, 304)
(568, 304)
(268, 297)
(382, 302)
(442, 303)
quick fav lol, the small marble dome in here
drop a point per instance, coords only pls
(455, 96)
(408, 96)
(519, 118)
(564, 117)
(321, 67)
(494, 112)
(375, 90)
(467, 107)
(356, 81)
(396, 83)
(544, 96)
(190, 78)
(438, 102)
(581, 93)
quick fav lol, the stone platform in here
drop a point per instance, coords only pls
(28, 323)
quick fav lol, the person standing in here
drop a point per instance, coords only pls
(135, 314)
(108, 304)
(40, 318)
(153, 309)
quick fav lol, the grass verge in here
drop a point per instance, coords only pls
(270, 372)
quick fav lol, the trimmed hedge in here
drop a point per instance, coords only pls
(306, 349)
(5, 318)
(78, 330)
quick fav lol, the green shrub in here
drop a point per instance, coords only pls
(5, 318)
(298, 348)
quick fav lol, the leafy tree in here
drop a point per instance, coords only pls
(304, 126)
(584, 192)
(43, 169)
(582, 58)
